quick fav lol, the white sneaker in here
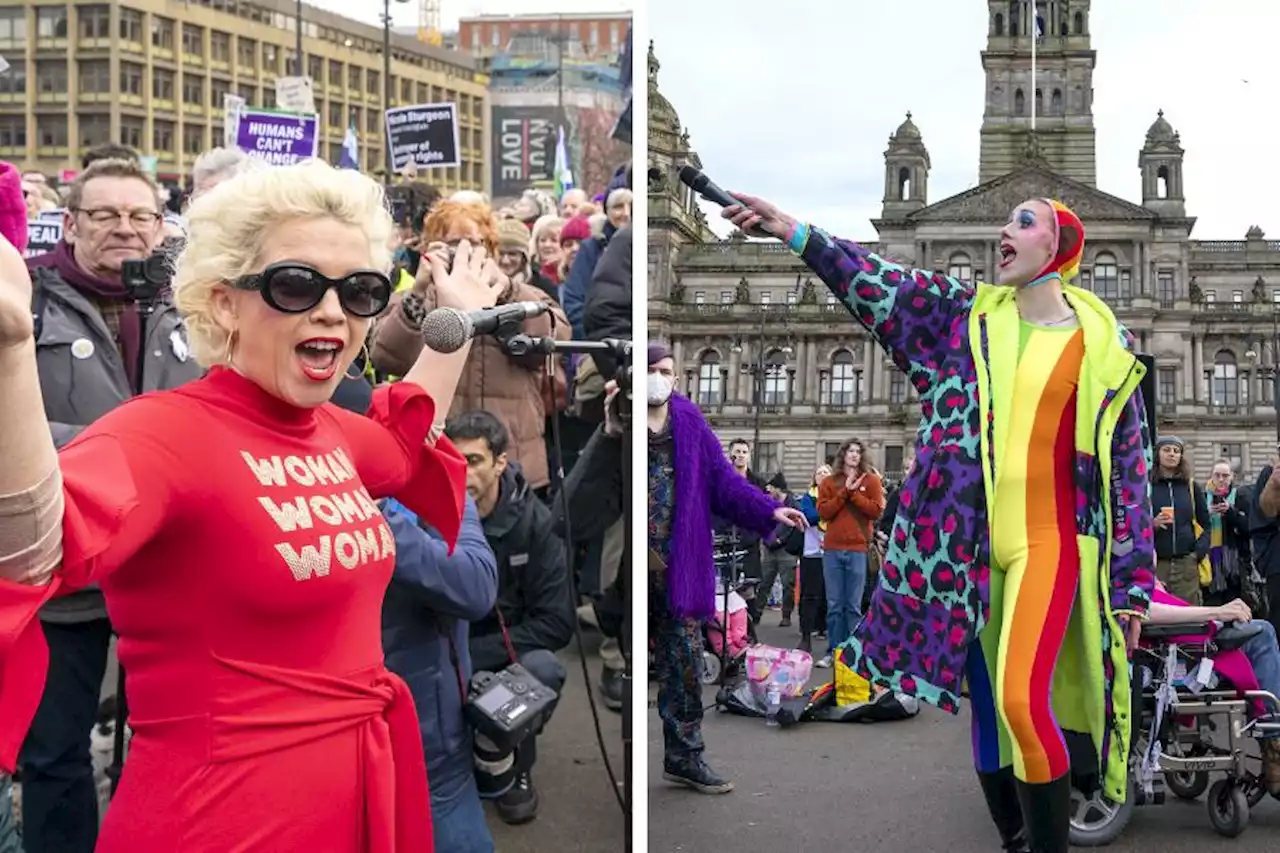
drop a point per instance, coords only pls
(825, 663)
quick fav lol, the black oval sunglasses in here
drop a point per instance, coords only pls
(294, 288)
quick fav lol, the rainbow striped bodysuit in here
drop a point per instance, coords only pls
(1035, 565)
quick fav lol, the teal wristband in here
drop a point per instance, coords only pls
(798, 238)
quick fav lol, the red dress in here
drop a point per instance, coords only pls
(244, 565)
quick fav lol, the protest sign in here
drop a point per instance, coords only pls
(280, 139)
(524, 148)
(54, 215)
(295, 94)
(426, 135)
(42, 236)
(232, 106)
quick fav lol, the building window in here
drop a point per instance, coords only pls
(162, 137)
(162, 84)
(246, 52)
(94, 130)
(51, 23)
(130, 25)
(831, 299)
(132, 131)
(162, 33)
(726, 297)
(1167, 386)
(406, 91)
(218, 91)
(15, 81)
(193, 90)
(710, 388)
(792, 297)
(335, 72)
(829, 451)
(372, 121)
(270, 58)
(1164, 289)
(1226, 383)
(1233, 452)
(766, 457)
(130, 79)
(777, 390)
(95, 77)
(95, 22)
(765, 297)
(192, 139)
(335, 115)
(13, 132)
(1237, 297)
(1210, 297)
(844, 380)
(897, 388)
(371, 81)
(353, 78)
(52, 131)
(960, 267)
(192, 40)
(893, 461)
(1106, 277)
(249, 92)
(220, 46)
(13, 26)
(613, 36)
(699, 297)
(51, 77)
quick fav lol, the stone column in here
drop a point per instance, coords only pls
(1190, 390)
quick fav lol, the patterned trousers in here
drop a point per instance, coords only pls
(678, 657)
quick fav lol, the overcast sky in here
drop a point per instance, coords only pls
(406, 14)
(798, 107)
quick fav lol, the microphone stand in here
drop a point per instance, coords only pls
(522, 344)
(144, 299)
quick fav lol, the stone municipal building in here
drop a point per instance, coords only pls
(768, 355)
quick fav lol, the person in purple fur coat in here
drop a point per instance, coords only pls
(689, 480)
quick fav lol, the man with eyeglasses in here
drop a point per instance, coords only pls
(88, 348)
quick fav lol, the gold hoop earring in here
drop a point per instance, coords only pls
(368, 359)
(231, 348)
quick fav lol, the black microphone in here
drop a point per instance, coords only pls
(698, 181)
(448, 329)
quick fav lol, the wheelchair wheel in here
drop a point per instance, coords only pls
(710, 668)
(1228, 808)
(1255, 789)
(1096, 821)
(1187, 786)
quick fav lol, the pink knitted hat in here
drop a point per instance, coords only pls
(13, 207)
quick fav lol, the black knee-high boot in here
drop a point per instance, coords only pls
(1001, 793)
(1046, 809)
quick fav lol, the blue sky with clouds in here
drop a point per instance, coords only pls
(798, 107)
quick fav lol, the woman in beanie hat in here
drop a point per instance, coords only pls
(1182, 521)
(1025, 525)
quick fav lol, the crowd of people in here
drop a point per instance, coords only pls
(415, 498)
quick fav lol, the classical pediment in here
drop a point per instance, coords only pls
(994, 200)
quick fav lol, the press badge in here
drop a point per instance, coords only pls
(178, 343)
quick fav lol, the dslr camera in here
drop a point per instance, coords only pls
(504, 708)
(144, 279)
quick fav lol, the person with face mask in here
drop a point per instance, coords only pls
(689, 480)
(1030, 397)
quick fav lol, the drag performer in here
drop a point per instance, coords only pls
(1023, 549)
(689, 480)
(231, 524)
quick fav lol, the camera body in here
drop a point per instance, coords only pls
(144, 279)
(504, 708)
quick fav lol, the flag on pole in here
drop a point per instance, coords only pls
(564, 177)
(350, 158)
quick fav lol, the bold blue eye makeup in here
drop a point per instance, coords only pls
(1026, 218)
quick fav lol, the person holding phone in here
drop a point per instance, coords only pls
(1229, 554)
(850, 501)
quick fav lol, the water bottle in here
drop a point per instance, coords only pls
(773, 701)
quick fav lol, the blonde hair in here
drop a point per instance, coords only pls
(228, 226)
(543, 224)
(470, 197)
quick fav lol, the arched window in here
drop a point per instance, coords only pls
(1079, 23)
(1226, 382)
(710, 387)
(1162, 182)
(960, 267)
(844, 380)
(1065, 30)
(1039, 102)
(1055, 102)
(1015, 18)
(1106, 277)
(904, 184)
(999, 24)
(1019, 103)
(776, 383)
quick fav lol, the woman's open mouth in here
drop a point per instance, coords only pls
(319, 358)
(1007, 255)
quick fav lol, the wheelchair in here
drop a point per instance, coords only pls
(1175, 715)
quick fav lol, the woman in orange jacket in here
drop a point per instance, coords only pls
(849, 501)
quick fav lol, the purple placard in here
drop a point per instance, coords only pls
(280, 139)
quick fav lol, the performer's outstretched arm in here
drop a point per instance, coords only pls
(916, 315)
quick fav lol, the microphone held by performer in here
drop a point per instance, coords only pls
(698, 181)
(448, 329)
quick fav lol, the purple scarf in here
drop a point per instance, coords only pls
(62, 260)
(705, 483)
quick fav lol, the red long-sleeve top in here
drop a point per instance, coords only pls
(244, 563)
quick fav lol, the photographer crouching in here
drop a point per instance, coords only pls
(533, 617)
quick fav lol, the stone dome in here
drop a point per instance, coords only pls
(662, 116)
(907, 130)
(1161, 130)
